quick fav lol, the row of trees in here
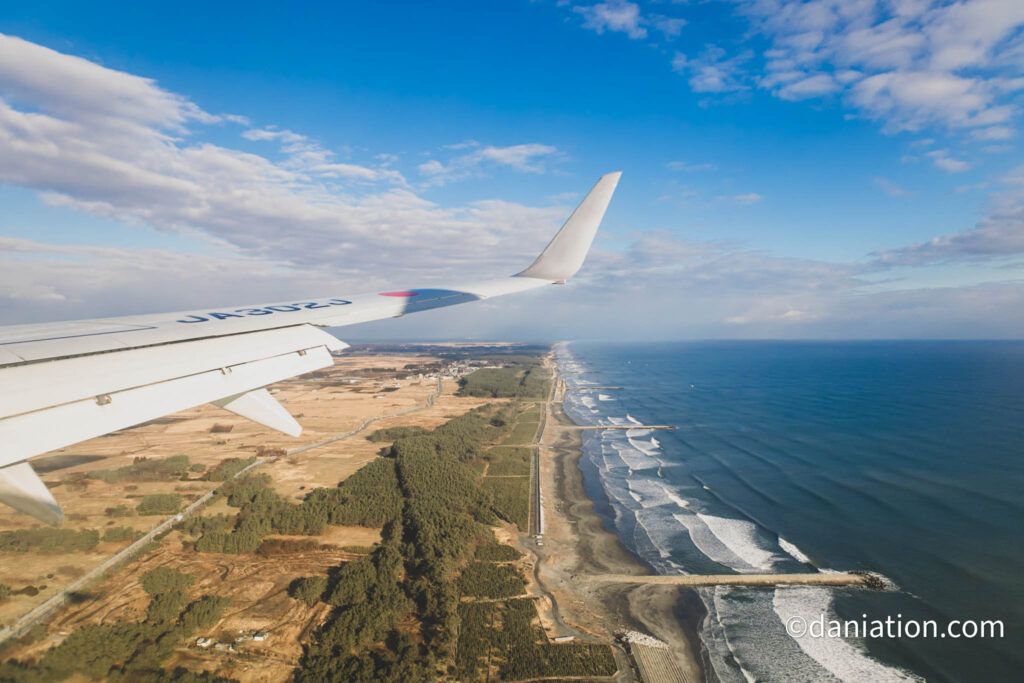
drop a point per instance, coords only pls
(370, 497)
(371, 600)
(522, 377)
(49, 540)
(165, 580)
(395, 433)
(121, 533)
(504, 632)
(146, 469)
(488, 580)
(126, 651)
(438, 515)
(261, 511)
(228, 468)
(159, 504)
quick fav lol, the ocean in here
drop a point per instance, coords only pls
(904, 459)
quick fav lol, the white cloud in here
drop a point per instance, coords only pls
(671, 27)
(525, 158)
(78, 89)
(746, 199)
(892, 189)
(614, 15)
(908, 64)
(998, 236)
(115, 145)
(711, 71)
(307, 156)
(688, 167)
(992, 133)
(520, 157)
(941, 159)
(811, 86)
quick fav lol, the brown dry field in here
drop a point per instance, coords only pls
(325, 407)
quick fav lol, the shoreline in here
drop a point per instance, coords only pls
(579, 551)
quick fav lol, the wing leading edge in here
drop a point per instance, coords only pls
(66, 382)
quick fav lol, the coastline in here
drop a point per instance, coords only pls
(578, 549)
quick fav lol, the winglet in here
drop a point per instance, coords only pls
(565, 253)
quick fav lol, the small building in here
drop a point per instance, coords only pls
(204, 642)
(259, 636)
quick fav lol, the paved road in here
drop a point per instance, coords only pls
(51, 605)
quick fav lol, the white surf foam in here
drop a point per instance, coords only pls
(653, 493)
(730, 542)
(660, 530)
(845, 661)
(708, 543)
(646, 446)
(740, 538)
(634, 458)
(675, 498)
(760, 648)
(794, 551)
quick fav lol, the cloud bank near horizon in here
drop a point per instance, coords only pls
(280, 215)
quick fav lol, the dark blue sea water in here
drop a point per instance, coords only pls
(901, 458)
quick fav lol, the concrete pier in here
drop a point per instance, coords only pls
(623, 427)
(839, 579)
(590, 388)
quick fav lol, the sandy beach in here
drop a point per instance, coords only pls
(578, 549)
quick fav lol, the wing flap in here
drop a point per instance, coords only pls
(51, 383)
(259, 406)
(32, 433)
(23, 490)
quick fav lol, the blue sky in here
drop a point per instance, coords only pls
(791, 169)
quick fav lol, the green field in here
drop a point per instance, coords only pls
(521, 434)
(509, 461)
(511, 498)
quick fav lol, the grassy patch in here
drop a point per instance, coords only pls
(511, 498)
(497, 552)
(522, 433)
(509, 461)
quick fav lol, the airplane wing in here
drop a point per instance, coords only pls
(61, 383)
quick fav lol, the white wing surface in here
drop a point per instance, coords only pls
(61, 383)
